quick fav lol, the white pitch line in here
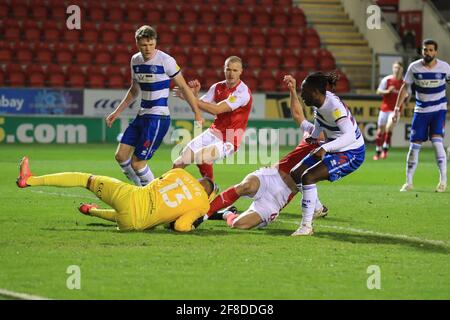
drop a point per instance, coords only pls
(64, 194)
(376, 233)
(21, 296)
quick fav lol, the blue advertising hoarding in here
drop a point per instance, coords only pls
(43, 101)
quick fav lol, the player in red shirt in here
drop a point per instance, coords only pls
(231, 101)
(389, 88)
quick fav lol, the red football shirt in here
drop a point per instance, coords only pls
(230, 126)
(295, 156)
(389, 100)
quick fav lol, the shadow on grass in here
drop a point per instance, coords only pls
(382, 239)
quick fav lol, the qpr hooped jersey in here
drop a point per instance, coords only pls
(332, 110)
(430, 85)
(154, 77)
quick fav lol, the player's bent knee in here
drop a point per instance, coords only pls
(308, 178)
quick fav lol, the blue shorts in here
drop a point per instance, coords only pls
(340, 164)
(145, 134)
(424, 125)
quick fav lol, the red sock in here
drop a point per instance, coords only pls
(387, 139)
(379, 141)
(206, 170)
(223, 200)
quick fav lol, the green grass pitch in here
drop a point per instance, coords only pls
(370, 223)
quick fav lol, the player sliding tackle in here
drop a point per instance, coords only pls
(270, 188)
(343, 152)
(175, 197)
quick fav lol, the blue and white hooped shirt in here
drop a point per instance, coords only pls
(430, 85)
(154, 77)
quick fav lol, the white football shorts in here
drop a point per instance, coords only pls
(272, 195)
(207, 138)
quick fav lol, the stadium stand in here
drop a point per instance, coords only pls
(270, 35)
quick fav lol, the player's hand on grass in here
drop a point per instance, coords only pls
(111, 118)
(290, 82)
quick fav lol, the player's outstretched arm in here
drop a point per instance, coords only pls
(189, 96)
(131, 95)
(295, 104)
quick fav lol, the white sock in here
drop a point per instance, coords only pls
(318, 204)
(441, 158)
(412, 160)
(145, 175)
(129, 172)
(309, 199)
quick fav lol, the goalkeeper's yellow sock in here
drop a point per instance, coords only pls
(106, 214)
(65, 179)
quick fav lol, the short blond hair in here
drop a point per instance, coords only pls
(233, 59)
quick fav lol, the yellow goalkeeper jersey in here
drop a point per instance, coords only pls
(175, 196)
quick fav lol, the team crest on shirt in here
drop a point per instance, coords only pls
(337, 113)
(153, 69)
(420, 76)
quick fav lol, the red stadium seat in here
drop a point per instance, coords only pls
(172, 16)
(261, 17)
(251, 82)
(343, 85)
(189, 16)
(153, 16)
(257, 38)
(75, 69)
(225, 18)
(114, 70)
(290, 61)
(207, 17)
(309, 62)
(271, 61)
(24, 56)
(298, 20)
(280, 19)
(300, 75)
(103, 57)
(167, 38)
(122, 58)
(253, 61)
(327, 63)
(184, 38)
(2, 79)
(117, 81)
(115, 14)
(44, 56)
(36, 80)
(239, 39)
(96, 14)
(90, 35)
(221, 39)
(294, 41)
(71, 35)
(58, 12)
(216, 60)
(267, 84)
(109, 36)
(83, 57)
(135, 15)
(203, 38)
(3, 11)
(32, 35)
(209, 81)
(276, 41)
(76, 80)
(56, 80)
(244, 18)
(51, 35)
(12, 34)
(17, 79)
(5, 55)
(312, 42)
(20, 11)
(64, 57)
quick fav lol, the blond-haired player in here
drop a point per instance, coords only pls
(174, 197)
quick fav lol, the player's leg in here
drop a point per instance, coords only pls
(152, 131)
(187, 155)
(248, 187)
(437, 139)
(310, 177)
(125, 150)
(93, 210)
(246, 220)
(419, 133)
(117, 195)
(387, 135)
(382, 119)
